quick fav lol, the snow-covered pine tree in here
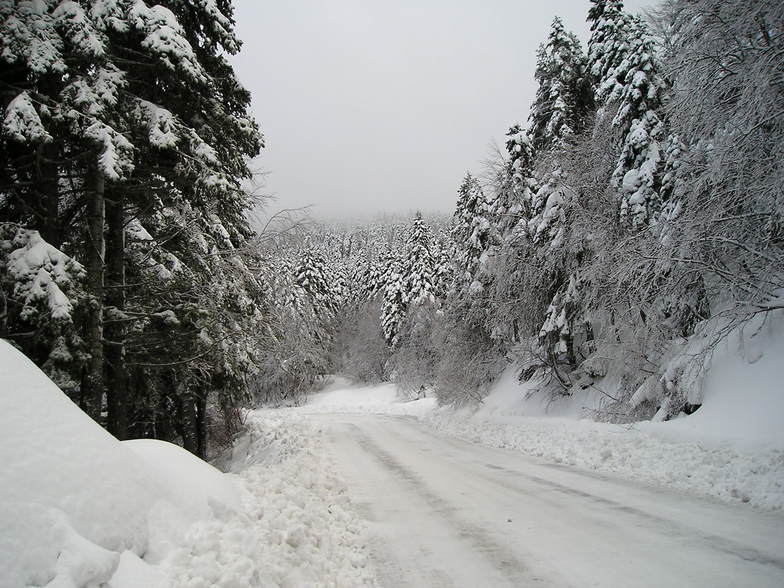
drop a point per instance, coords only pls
(313, 277)
(43, 290)
(365, 278)
(514, 188)
(162, 136)
(607, 47)
(563, 100)
(443, 270)
(188, 118)
(474, 237)
(564, 95)
(419, 264)
(514, 185)
(628, 85)
(394, 306)
(413, 282)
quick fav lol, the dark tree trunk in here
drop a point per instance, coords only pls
(115, 332)
(3, 313)
(93, 381)
(187, 423)
(570, 355)
(201, 424)
(192, 424)
(47, 186)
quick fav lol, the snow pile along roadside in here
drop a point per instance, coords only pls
(296, 526)
(732, 448)
(72, 498)
(720, 471)
(79, 508)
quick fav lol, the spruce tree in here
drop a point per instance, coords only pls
(394, 306)
(419, 264)
(128, 126)
(564, 96)
(474, 237)
(624, 65)
(515, 186)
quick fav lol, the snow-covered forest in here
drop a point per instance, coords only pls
(623, 231)
(631, 226)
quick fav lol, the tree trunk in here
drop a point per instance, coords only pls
(3, 313)
(115, 333)
(201, 423)
(93, 381)
(188, 423)
(47, 180)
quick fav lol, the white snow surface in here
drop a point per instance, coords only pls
(199, 486)
(296, 526)
(341, 396)
(732, 448)
(79, 508)
(444, 512)
(72, 497)
(743, 404)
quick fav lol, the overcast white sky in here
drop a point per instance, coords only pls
(373, 106)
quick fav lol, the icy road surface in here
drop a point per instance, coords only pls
(444, 512)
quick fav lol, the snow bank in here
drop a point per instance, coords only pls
(72, 497)
(296, 527)
(79, 508)
(732, 448)
(510, 397)
(199, 487)
(722, 472)
(743, 398)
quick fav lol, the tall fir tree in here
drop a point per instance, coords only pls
(564, 94)
(474, 237)
(419, 264)
(623, 62)
(128, 126)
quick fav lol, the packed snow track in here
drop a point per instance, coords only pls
(444, 512)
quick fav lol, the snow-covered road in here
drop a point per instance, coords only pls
(444, 512)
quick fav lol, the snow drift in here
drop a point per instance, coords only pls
(72, 496)
(79, 508)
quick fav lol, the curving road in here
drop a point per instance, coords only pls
(443, 512)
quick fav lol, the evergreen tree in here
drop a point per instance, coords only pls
(608, 47)
(394, 305)
(313, 277)
(443, 273)
(515, 186)
(125, 121)
(412, 281)
(623, 62)
(419, 264)
(564, 95)
(474, 237)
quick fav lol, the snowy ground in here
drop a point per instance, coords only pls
(358, 486)
(444, 512)
(295, 526)
(731, 449)
(343, 397)
(79, 508)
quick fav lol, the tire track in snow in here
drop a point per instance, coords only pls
(667, 526)
(503, 560)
